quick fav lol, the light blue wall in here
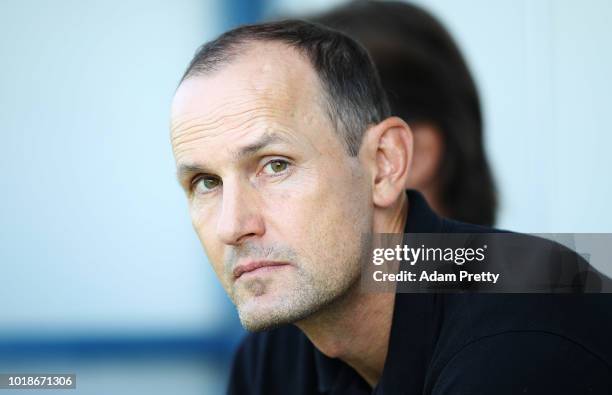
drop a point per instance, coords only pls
(95, 236)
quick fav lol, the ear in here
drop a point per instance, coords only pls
(428, 148)
(386, 151)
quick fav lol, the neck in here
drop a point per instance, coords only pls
(356, 328)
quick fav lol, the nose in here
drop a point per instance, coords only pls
(240, 218)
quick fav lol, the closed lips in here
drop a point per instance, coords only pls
(251, 266)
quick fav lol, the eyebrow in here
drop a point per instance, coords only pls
(266, 139)
(185, 170)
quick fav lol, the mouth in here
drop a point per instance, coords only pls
(256, 266)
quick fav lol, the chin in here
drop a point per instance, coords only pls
(259, 325)
(263, 312)
(266, 312)
(256, 322)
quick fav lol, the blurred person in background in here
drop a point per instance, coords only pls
(428, 85)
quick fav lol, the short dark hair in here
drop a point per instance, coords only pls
(352, 89)
(427, 80)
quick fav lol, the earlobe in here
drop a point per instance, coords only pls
(393, 142)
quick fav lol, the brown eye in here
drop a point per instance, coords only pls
(276, 166)
(206, 184)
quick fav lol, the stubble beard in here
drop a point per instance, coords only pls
(310, 297)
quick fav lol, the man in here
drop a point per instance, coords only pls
(289, 158)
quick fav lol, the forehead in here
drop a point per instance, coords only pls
(266, 80)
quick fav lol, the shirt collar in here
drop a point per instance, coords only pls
(421, 218)
(412, 328)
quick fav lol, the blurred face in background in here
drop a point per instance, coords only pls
(278, 204)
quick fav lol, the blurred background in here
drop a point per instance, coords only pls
(101, 273)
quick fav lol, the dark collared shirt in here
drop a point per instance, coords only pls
(450, 343)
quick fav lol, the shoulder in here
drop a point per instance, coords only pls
(533, 362)
(271, 361)
(524, 342)
(453, 226)
(585, 319)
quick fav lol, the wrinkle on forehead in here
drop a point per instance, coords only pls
(264, 88)
(194, 126)
(241, 133)
(235, 125)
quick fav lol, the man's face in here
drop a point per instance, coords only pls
(276, 201)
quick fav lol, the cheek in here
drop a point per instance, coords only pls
(318, 210)
(293, 204)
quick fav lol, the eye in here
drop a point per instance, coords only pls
(205, 184)
(275, 166)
